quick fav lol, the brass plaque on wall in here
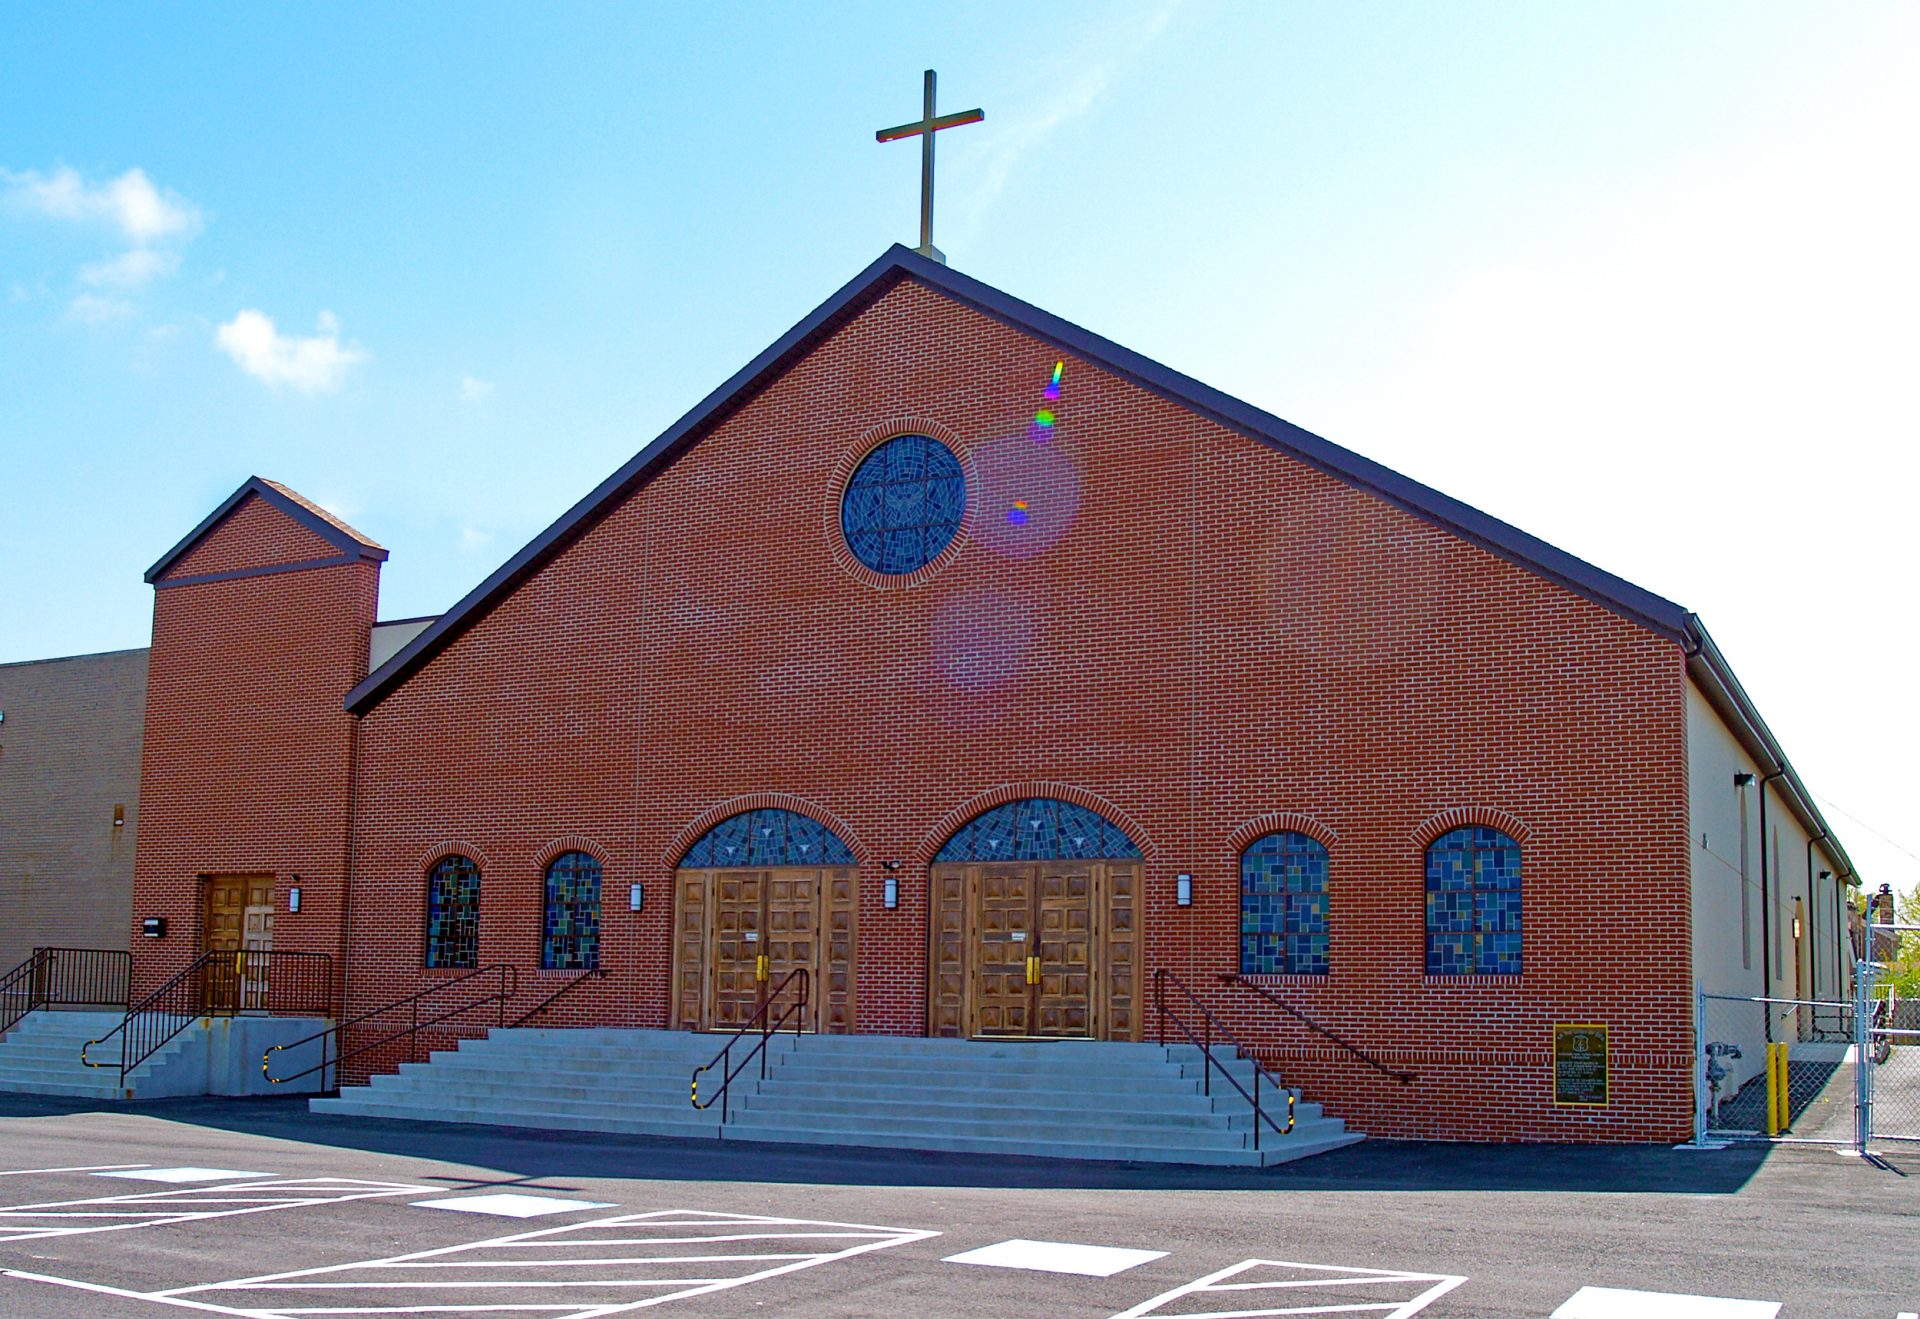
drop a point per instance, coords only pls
(1580, 1066)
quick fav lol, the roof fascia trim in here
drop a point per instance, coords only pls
(879, 276)
(306, 517)
(1709, 668)
(1502, 539)
(1616, 594)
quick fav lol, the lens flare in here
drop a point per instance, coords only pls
(1053, 385)
(1018, 513)
(1044, 417)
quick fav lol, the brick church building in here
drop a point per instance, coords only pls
(986, 669)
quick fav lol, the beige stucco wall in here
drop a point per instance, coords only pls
(1727, 896)
(70, 733)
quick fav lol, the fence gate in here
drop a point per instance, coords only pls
(1890, 1046)
(1810, 1071)
(1776, 1069)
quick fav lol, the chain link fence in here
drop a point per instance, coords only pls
(1893, 1073)
(1751, 1044)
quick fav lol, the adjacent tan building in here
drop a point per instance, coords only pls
(70, 736)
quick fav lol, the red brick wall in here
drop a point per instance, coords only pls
(1217, 634)
(248, 749)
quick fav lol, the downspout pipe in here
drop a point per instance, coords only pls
(1813, 917)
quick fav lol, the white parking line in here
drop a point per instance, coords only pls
(511, 1206)
(527, 1272)
(1617, 1303)
(1388, 1291)
(1057, 1257)
(188, 1175)
(120, 1213)
(91, 1167)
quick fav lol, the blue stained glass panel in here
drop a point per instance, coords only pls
(572, 927)
(1039, 829)
(769, 837)
(453, 913)
(1283, 906)
(1473, 903)
(903, 504)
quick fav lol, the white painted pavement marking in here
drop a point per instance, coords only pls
(1293, 1291)
(526, 1272)
(1615, 1303)
(1057, 1257)
(511, 1206)
(91, 1167)
(185, 1175)
(188, 1204)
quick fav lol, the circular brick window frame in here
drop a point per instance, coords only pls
(842, 474)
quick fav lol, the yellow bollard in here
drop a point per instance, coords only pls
(1785, 1088)
(1779, 1106)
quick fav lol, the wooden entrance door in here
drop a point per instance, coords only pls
(1044, 948)
(725, 921)
(1033, 950)
(239, 920)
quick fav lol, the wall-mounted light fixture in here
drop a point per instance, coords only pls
(119, 815)
(1742, 779)
(154, 927)
(1796, 919)
(1183, 890)
(892, 893)
(293, 899)
(636, 896)
(1826, 874)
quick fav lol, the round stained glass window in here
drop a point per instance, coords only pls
(904, 504)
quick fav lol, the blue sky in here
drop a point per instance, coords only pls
(1636, 277)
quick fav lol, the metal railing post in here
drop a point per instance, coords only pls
(1862, 1052)
(1700, 1064)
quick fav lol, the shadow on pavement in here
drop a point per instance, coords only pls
(1373, 1165)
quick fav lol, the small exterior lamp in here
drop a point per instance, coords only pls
(1183, 891)
(890, 896)
(636, 896)
(1742, 780)
(293, 899)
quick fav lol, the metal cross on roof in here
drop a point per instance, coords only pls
(924, 128)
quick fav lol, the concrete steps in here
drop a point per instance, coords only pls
(41, 1056)
(1054, 1099)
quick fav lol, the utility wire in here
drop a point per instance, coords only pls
(1869, 828)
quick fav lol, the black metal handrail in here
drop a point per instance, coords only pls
(555, 996)
(1327, 1032)
(509, 984)
(221, 983)
(1209, 1025)
(64, 977)
(769, 1027)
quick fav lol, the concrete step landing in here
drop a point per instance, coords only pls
(1052, 1099)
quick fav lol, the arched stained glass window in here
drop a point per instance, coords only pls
(572, 926)
(1473, 903)
(768, 837)
(453, 912)
(1283, 906)
(903, 504)
(1039, 829)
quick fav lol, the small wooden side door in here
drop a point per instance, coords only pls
(239, 921)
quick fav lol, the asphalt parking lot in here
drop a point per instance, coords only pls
(259, 1208)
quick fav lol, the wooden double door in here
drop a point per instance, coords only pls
(238, 920)
(738, 933)
(1041, 949)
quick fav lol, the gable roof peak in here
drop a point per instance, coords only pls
(349, 542)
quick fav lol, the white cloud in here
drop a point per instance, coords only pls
(152, 221)
(97, 309)
(313, 365)
(473, 389)
(129, 270)
(473, 539)
(143, 213)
